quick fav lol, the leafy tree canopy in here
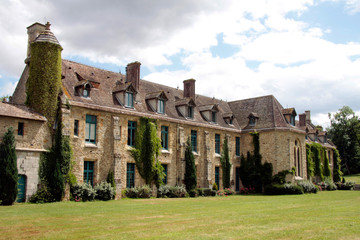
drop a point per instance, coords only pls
(344, 131)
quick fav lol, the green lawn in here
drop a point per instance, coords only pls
(353, 178)
(326, 215)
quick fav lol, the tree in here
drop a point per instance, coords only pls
(225, 164)
(190, 170)
(8, 169)
(146, 152)
(344, 132)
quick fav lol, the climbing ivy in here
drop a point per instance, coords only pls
(44, 82)
(225, 164)
(146, 152)
(327, 169)
(337, 174)
(252, 172)
(309, 161)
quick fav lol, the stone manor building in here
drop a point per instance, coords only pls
(101, 110)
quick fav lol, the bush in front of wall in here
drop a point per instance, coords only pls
(328, 185)
(308, 187)
(42, 195)
(193, 193)
(84, 192)
(206, 192)
(215, 187)
(139, 192)
(283, 189)
(104, 191)
(166, 191)
(345, 185)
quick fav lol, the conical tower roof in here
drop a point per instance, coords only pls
(47, 36)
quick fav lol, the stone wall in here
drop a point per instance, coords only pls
(111, 152)
(35, 139)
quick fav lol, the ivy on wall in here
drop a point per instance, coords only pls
(310, 162)
(337, 174)
(44, 82)
(146, 152)
(252, 172)
(225, 164)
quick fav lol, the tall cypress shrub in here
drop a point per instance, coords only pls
(8, 169)
(190, 170)
(225, 164)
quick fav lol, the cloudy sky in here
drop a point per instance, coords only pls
(304, 52)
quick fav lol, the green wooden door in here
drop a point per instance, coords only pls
(21, 188)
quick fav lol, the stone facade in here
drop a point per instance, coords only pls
(112, 100)
(35, 138)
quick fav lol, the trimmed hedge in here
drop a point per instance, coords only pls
(283, 189)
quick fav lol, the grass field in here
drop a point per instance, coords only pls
(326, 215)
(354, 178)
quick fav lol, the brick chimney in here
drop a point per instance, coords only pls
(302, 119)
(133, 74)
(33, 32)
(307, 112)
(189, 88)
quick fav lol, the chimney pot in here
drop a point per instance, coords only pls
(308, 119)
(133, 74)
(302, 120)
(189, 88)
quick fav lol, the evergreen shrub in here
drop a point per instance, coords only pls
(206, 192)
(139, 192)
(308, 187)
(104, 191)
(345, 185)
(283, 189)
(42, 195)
(8, 169)
(193, 193)
(215, 187)
(171, 192)
(85, 192)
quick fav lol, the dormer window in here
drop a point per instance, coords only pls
(213, 117)
(290, 114)
(129, 99)
(209, 112)
(253, 117)
(228, 118)
(185, 107)
(125, 94)
(292, 120)
(190, 112)
(86, 91)
(252, 121)
(156, 101)
(161, 106)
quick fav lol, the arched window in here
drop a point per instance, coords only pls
(297, 158)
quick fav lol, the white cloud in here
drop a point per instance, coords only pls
(353, 6)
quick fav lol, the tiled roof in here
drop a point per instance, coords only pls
(111, 82)
(266, 108)
(19, 111)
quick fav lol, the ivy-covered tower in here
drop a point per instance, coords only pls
(44, 83)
